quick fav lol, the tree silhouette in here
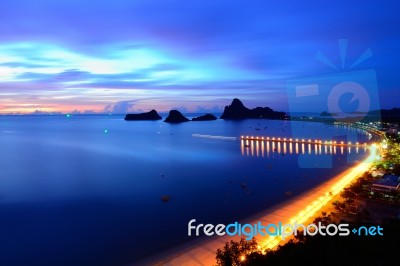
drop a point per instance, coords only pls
(236, 253)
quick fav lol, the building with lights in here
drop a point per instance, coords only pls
(392, 130)
(388, 183)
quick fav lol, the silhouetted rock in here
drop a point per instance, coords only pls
(235, 111)
(325, 113)
(206, 117)
(238, 111)
(152, 115)
(266, 112)
(175, 117)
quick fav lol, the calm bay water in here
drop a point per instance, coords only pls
(86, 190)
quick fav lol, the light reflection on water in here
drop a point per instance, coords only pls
(260, 148)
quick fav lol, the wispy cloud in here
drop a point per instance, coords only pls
(120, 107)
(90, 54)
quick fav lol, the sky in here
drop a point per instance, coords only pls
(87, 56)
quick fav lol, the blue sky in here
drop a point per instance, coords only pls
(119, 56)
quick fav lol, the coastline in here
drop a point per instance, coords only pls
(296, 209)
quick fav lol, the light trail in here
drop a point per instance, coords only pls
(304, 206)
(315, 204)
(213, 137)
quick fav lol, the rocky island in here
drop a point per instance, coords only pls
(238, 111)
(175, 117)
(206, 117)
(152, 115)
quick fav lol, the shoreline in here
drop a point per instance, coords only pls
(296, 209)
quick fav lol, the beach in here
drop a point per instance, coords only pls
(298, 209)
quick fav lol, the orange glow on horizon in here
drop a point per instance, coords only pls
(64, 109)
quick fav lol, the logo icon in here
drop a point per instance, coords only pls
(345, 95)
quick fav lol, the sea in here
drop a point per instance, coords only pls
(99, 190)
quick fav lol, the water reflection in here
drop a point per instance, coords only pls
(266, 148)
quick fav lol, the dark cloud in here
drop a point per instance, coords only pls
(72, 75)
(90, 80)
(20, 87)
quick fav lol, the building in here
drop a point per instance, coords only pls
(388, 183)
(392, 130)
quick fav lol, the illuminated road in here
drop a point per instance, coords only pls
(298, 209)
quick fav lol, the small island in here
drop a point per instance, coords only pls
(152, 115)
(175, 117)
(206, 117)
(238, 111)
(235, 111)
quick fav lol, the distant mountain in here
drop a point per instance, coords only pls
(152, 115)
(175, 117)
(236, 110)
(394, 112)
(325, 113)
(389, 116)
